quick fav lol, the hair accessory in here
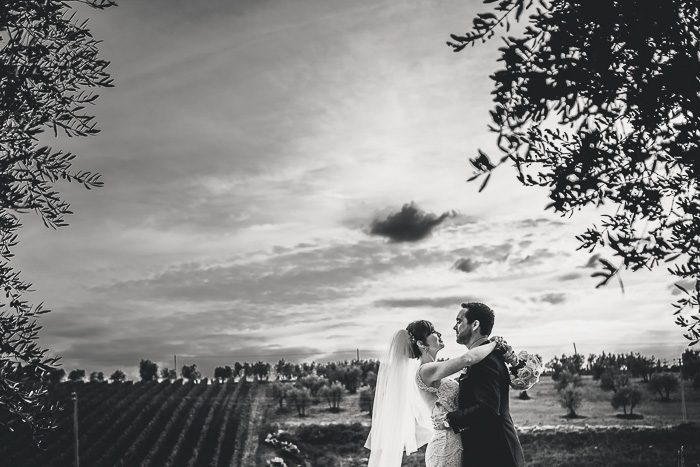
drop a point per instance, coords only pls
(411, 337)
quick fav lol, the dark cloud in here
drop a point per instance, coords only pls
(428, 302)
(410, 224)
(553, 298)
(465, 265)
(570, 276)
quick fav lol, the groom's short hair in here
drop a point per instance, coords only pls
(479, 311)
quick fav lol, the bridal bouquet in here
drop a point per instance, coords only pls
(525, 369)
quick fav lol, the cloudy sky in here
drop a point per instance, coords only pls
(287, 178)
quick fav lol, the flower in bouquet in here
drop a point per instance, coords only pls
(276, 462)
(527, 373)
(525, 369)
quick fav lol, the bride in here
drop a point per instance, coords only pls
(412, 398)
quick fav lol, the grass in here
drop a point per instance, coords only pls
(341, 445)
(542, 409)
(598, 437)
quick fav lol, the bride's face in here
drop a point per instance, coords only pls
(434, 342)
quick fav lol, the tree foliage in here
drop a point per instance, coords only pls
(48, 65)
(626, 397)
(663, 384)
(599, 102)
(76, 375)
(118, 376)
(191, 372)
(148, 370)
(570, 398)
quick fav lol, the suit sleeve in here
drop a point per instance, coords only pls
(487, 392)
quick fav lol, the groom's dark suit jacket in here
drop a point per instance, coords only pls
(483, 419)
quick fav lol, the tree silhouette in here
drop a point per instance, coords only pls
(49, 63)
(599, 102)
(148, 370)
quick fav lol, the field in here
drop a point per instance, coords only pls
(597, 437)
(150, 425)
(225, 424)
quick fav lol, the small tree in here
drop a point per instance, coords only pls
(570, 398)
(279, 393)
(97, 377)
(76, 375)
(351, 379)
(696, 382)
(300, 397)
(223, 373)
(566, 379)
(191, 372)
(333, 395)
(148, 370)
(572, 364)
(55, 375)
(663, 384)
(367, 399)
(118, 376)
(614, 379)
(371, 379)
(169, 374)
(626, 396)
(313, 383)
(691, 364)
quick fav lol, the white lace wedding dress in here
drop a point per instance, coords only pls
(445, 447)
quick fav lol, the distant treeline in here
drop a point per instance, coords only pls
(354, 373)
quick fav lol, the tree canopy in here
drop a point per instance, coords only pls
(599, 102)
(48, 66)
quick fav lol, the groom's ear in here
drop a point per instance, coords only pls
(476, 324)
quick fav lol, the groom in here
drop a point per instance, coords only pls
(483, 419)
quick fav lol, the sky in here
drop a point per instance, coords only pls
(287, 179)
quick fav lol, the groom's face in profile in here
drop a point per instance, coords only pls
(463, 328)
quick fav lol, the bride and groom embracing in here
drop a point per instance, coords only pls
(466, 422)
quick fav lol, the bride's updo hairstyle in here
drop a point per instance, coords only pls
(418, 331)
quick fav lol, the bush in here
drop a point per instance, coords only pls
(696, 382)
(663, 384)
(570, 398)
(279, 392)
(76, 375)
(333, 395)
(367, 400)
(565, 379)
(300, 397)
(626, 396)
(613, 379)
(313, 383)
(118, 376)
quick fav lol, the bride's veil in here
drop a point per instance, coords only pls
(400, 419)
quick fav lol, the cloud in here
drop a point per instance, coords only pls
(570, 276)
(465, 265)
(554, 298)
(427, 302)
(410, 224)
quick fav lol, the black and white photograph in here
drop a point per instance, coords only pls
(369, 233)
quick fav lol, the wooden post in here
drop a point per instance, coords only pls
(75, 428)
(685, 414)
